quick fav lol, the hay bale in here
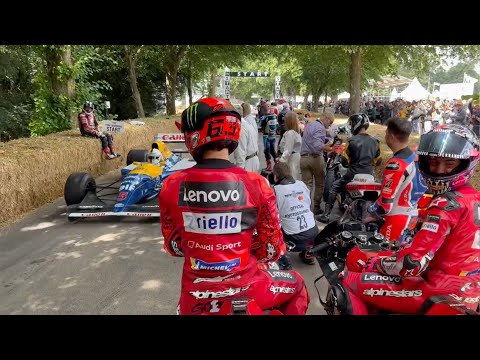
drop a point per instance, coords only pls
(33, 171)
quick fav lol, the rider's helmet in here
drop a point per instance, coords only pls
(155, 157)
(88, 104)
(358, 121)
(449, 141)
(210, 123)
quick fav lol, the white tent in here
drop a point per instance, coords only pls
(343, 95)
(394, 94)
(414, 91)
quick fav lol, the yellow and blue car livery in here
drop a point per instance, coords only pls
(138, 189)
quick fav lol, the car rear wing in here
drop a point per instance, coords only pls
(176, 138)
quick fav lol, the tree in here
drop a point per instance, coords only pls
(174, 55)
(277, 62)
(202, 63)
(55, 86)
(324, 71)
(131, 57)
(369, 62)
(16, 87)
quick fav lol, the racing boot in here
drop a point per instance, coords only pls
(284, 263)
(110, 156)
(113, 152)
(306, 257)
(325, 217)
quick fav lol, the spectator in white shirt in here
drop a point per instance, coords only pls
(291, 144)
(246, 153)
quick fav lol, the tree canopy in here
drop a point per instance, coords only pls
(43, 87)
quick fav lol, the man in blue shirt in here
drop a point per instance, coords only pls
(312, 165)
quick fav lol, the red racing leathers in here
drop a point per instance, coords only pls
(444, 258)
(402, 187)
(88, 123)
(88, 127)
(208, 215)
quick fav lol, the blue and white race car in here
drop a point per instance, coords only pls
(136, 192)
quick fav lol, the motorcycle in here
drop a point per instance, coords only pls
(362, 187)
(348, 243)
(334, 168)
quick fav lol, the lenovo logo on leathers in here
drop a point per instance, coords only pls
(212, 195)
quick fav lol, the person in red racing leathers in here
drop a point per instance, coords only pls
(89, 127)
(209, 213)
(402, 185)
(444, 257)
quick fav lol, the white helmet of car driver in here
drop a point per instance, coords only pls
(155, 157)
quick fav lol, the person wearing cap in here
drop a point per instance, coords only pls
(459, 114)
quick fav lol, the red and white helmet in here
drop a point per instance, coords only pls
(448, 141)
(207, 121)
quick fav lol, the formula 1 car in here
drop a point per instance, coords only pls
(136, 193)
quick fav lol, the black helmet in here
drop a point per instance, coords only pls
(358, 121)
(88, 104)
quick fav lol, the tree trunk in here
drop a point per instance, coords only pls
(54, 60)
(325, 101)
(62, 82)
(189, 90)
(171, 93)
(174, 58)
(132, 79)
(315, 97)
(355, 80)
(213, 83)
(305, 100)
(67, 60)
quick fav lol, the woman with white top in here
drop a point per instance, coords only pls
(291, 144)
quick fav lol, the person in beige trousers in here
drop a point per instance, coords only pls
(312, 164)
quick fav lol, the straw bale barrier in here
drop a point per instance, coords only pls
(33, 171)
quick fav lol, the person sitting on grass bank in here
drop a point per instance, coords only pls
(296, 219)
(89, 127)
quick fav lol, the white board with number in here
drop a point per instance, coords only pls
(113, 126)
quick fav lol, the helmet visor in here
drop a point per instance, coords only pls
(445, 144)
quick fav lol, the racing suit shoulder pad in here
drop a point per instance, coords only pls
(447, 201)
(393, 164)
